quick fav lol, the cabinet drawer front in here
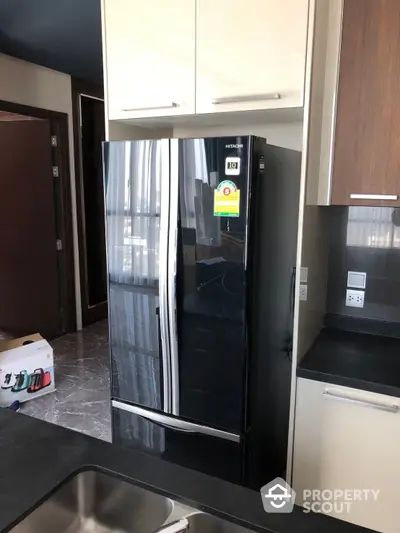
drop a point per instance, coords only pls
(250, 55)
(348, 439)
(150, 58)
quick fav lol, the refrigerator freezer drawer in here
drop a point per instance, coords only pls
(184, 445)
(220, 408)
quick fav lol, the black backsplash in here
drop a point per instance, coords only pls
(364, 239)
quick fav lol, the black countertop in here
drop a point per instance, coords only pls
(36, 456)
(358, 360)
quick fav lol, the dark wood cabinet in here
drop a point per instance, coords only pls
(366, 157)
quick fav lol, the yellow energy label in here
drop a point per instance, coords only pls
(226, 200)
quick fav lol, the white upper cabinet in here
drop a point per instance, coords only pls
(150, 57)
(166, 58)
(250, 54)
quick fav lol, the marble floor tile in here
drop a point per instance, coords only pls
(82, 398)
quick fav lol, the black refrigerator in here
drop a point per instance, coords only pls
(201, 249)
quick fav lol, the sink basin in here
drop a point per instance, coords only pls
(94, 502)
(98, 503)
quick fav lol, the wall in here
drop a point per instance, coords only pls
(28, 84)
(119, 131)
(315, 258)
(312, 243)
(365, 239)
(312, 225)
(287, 135)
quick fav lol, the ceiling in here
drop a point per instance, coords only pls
(64, 35)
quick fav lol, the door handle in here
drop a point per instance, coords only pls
(175, 424)
(170, 426)
(176, 526)
(163, 281)
(245, 98)
(165, 366)
(374, 196)
(167, 105)
(389, 408)
(172, 275)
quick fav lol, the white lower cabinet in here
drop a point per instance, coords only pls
(347, 439)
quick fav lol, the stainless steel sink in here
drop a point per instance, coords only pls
(98, 503)
(94, 502)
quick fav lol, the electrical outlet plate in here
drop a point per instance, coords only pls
(303, 292)
(354, 298)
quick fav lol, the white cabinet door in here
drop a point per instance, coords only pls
(250, 54)
(150, 57)
(349, 439)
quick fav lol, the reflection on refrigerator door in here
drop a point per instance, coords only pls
(212, 287)
(135, 239)
(135, 353)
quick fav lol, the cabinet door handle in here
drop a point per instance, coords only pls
(365, 403)
(245, 98)
(374, 196)
(144, 108)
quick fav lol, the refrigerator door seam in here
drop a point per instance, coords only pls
(163, 273)
(175, 424)
(172, 267)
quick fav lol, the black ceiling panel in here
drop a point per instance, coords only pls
(64, 35)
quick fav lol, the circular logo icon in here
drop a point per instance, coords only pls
(227, 191)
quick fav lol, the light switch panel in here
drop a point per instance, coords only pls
(356, 280)
(303, 274)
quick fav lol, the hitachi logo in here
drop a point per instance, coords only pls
(234, 146)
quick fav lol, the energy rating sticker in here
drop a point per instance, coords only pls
(226, 200)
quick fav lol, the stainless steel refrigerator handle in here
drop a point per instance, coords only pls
(374, 196)
(172, 261)
(174, 527)
(365, 403)
(175, 424)
(163, 276)
(245, 98)
(149, 108)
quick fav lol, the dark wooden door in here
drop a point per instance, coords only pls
(367, 137)
(93, 244)
(89, 133)
(29, 288)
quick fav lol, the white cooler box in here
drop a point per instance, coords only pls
(26, 369)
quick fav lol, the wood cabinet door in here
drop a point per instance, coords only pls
(367, 136)
(348, 439)
(150, 57)
(250, 55)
